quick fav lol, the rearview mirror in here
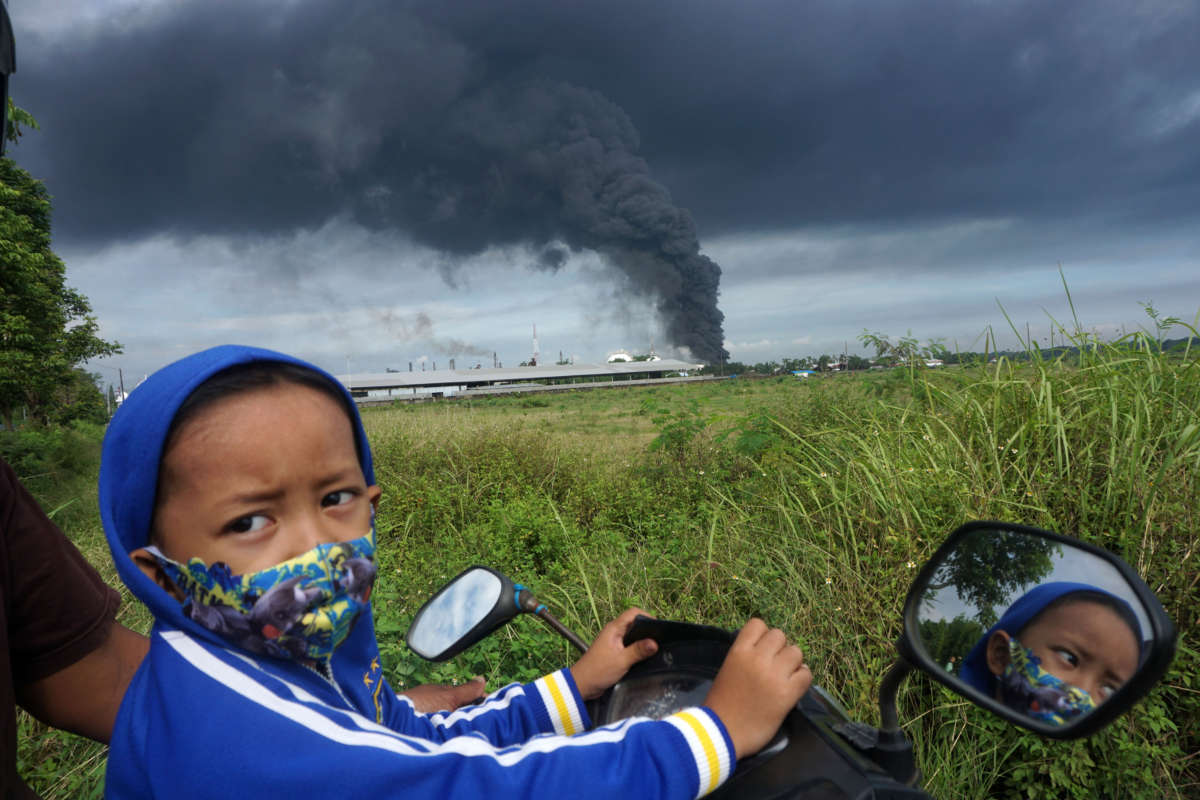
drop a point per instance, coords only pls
(1050, 633)
(465, 610)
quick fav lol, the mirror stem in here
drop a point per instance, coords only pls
(889, 720)
(893, 751)
(531, 605)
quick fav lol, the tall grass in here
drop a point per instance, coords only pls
(809, 503)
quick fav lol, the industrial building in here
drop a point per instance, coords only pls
(427, 384)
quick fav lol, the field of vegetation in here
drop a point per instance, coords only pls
(807, 502)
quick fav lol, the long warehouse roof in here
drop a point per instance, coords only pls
(480, 377)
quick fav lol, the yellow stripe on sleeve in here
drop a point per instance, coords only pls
(710, 750)
(560, 704)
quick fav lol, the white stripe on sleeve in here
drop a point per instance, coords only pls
(707, 744)
(559, 700)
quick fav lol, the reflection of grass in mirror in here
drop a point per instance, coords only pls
(766, 490)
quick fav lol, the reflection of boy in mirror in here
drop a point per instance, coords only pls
(1059, 651)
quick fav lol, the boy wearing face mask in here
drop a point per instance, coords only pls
(238, 497)
(1059, 651)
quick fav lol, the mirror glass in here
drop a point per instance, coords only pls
(1045, 628)
(453, 612)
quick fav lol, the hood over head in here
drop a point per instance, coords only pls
(975, 670)
(133, 449)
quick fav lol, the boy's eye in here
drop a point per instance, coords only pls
(249, 523)
(1067, 656)
(1107, 690)
(337, 498)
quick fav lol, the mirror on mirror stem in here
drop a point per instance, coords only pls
(472, 605)
(1050, 633)
(442, 626)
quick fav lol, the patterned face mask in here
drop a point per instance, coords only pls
(301, 609)
(1027, 687)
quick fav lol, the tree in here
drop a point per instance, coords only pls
(936, 348)
(16, 117)
(903, 351)
(46, 327)
(857, 362)
(878, 340)
(78, 399)
(988, 566)
(946, 639)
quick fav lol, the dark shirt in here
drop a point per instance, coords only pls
(54, 610)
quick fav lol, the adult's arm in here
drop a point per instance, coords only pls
(84, 697)
(70, 661)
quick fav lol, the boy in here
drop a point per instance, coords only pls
(238, 498)
(1059, 651)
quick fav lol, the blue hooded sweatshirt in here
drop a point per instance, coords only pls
(204, 719)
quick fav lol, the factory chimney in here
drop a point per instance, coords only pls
(534, 361)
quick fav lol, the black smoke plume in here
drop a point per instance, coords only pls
(552, 162)
(251, 117)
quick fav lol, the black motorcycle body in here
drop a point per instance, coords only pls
(811, 756)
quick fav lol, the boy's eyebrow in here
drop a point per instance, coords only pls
(257, 497)
(349, 473)
(345, 474)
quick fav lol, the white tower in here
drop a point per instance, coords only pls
(536, 354)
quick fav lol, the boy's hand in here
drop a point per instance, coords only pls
(762, 679)
(608, 659)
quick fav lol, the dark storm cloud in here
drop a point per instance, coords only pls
(473, 123)
(771, 114)
(230, 119)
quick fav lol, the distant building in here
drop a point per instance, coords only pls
(624, 356)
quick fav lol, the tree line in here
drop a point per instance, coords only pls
(908, 351)
(47, 329)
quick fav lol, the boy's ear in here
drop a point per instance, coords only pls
(373, 494)
(997, 652)
(149, 565)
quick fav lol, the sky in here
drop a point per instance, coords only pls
(372, 183)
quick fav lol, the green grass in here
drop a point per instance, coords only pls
(800, 501)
